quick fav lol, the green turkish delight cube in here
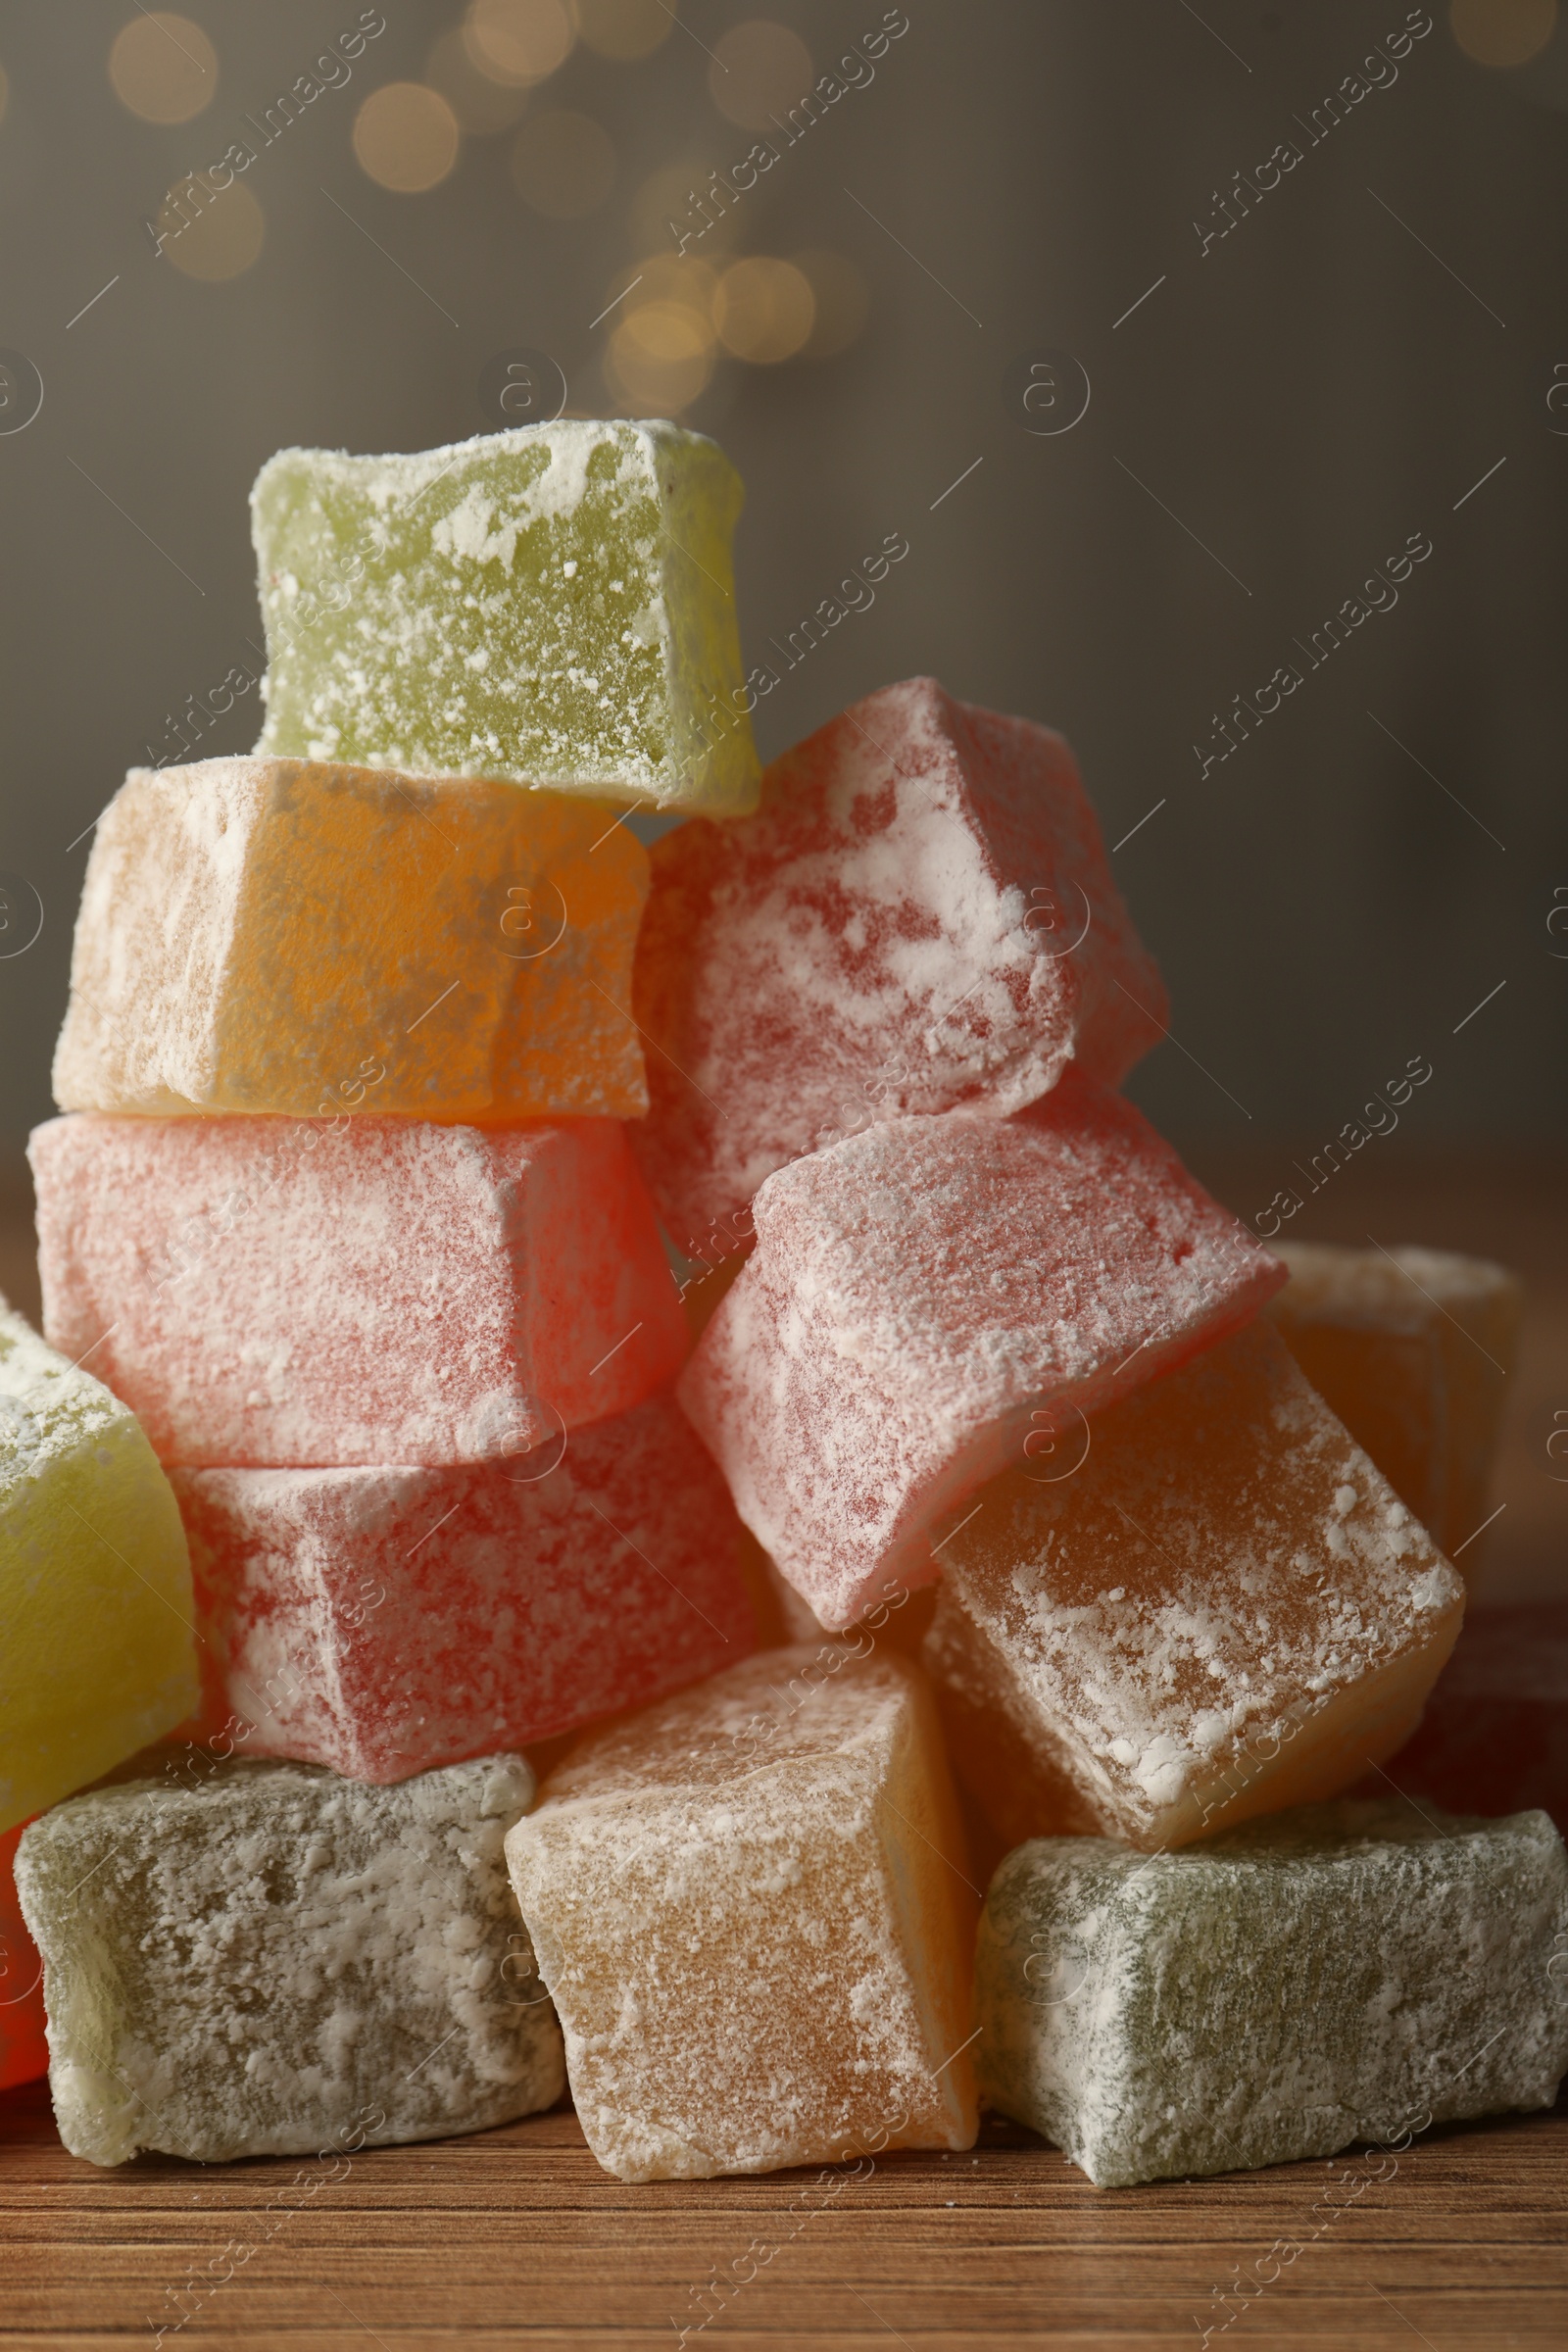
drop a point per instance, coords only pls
(552, 604)
(1342, 1972)
(246, 1959)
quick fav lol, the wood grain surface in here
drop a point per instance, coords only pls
(517, 2238)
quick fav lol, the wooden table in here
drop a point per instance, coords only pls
(515, 2238)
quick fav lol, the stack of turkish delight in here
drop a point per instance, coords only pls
(614, 1427)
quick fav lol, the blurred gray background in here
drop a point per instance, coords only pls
(1272, 412)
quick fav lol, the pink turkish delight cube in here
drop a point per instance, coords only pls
(920, 917)
(378, 1290)
(384, 1621)
(931, 1300)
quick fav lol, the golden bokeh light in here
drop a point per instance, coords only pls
(1502, 33)
(519, 41)
(624, 29)
(482, 105)
(562, 164)
(660, 357)
(209, 232)
(406, 137)
(666, 196)
(666, 277)
(842, 301)
(163, 66)
(759, 70)
(764, 308)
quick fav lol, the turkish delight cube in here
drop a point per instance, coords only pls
(920, 917)
(1358, 1971)
(752, 1909)
(24, 2050)
(918, 1292)
(1412, 1349)
(378, 1290)
(98, 1653)
(386, 1619)
(1495, 1735)
(552, 604)
(276, 936)
(260, 1961)
(1208, 1605)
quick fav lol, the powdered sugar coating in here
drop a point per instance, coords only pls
(277, 1961)
(1387, 1289)
(96, 1650)
(266, 934)
(920, 916)
(1412, 1349)
(748, 1907)
(384, 1621)
(1357, 1970)
(383, 1291)
(918, 1291)
(1223, 1610)
(552, 605)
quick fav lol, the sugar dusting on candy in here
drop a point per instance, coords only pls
(918, 1291)
(551, 605)
(1225, 1605)
(395, 1619)
(1357, 1970)
(95, 1595)
(749, 1907)
(390, 1290)
(1411, 1348)
(271, 935)
(1388, 1289)
(277, 1960)
(920, 916)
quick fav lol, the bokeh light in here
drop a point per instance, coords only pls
(842, 301)
(562, 164)
(209, 232)
(660, 357)
(758, 70)
(163, 66)
(666, 278)
(677, 313)
(407, 138)
(666, 196)
(1502, 33)
(519, 41)
(482, 105)
(764, 308)
(625, 29)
